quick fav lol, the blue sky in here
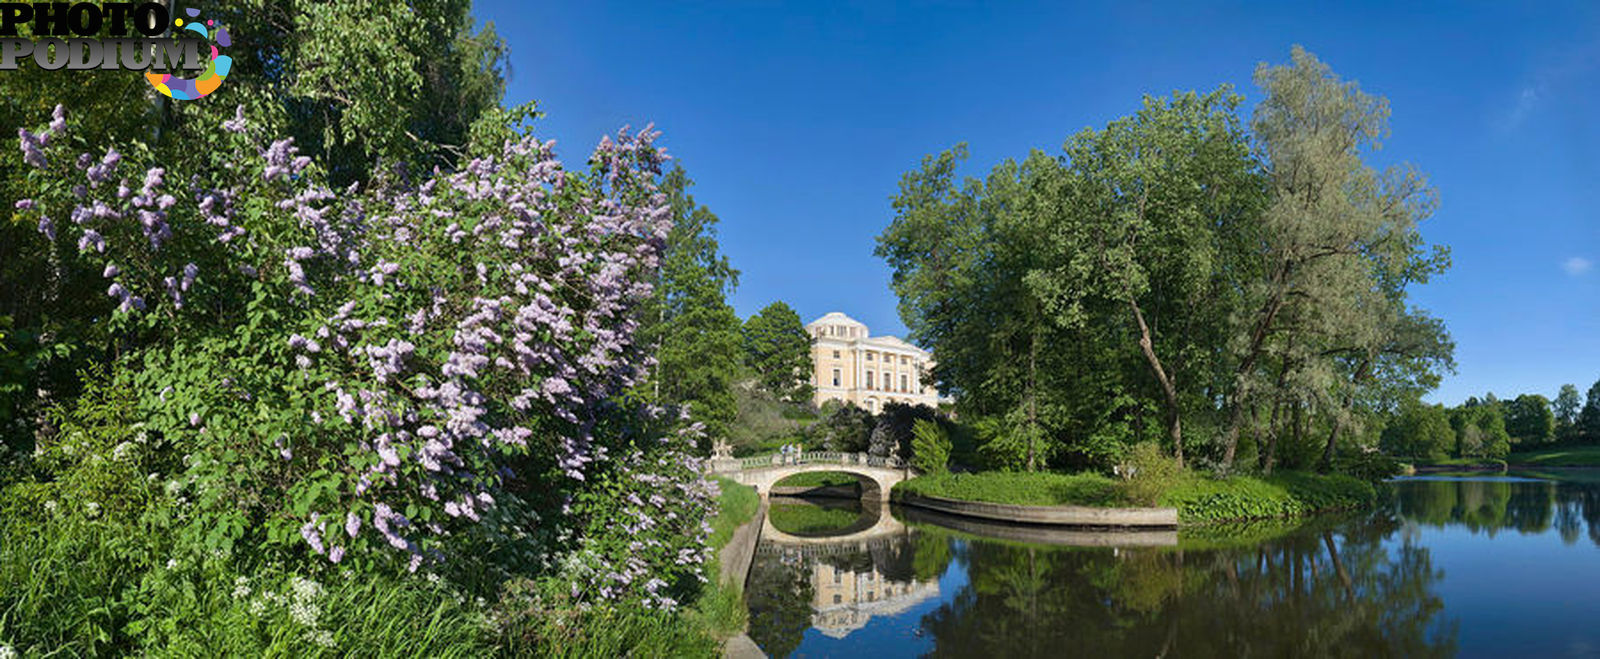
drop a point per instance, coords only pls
(796, 121)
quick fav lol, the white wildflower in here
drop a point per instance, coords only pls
(93, 508)
(172, 564)
(6, 652)
(241, 590)
(50, 505)
(321, 637)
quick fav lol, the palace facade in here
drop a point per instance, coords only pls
(849, 365)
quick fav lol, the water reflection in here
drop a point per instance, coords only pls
(1471, 566)
(1569, 504)
(1336, 589)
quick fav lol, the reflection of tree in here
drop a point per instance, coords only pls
(779, 596)
(1312, 593)
(1493, 505)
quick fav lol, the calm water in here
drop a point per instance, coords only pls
(1484, 566)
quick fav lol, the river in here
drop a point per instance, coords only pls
(1473, 566)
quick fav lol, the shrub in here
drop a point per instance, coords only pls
(425, 375)
(930, 447)
(1148, 473)
(1369, 466)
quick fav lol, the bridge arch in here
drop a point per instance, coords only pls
(880, 474)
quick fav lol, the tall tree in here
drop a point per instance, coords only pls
(1335, 231)
(1149, 208)
(695, 333)
(1566, 407)
(1589, 418)
(1529, 420)
(778, 350)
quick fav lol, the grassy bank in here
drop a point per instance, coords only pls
(1455, 463)
(1199, 499)
(721, 608)
(1021, 488)
(1558, 456)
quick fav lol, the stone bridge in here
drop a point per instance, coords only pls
(877, 475)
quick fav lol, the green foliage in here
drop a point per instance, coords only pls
(848, 429)
(1286, 494)
(1421, 430)
(1149, 474)
(1529, 420)
(930, 447)
(1371, 466)
(688, 320)
(1565, 408)
(1174, 271)
(778, 350)
(1021, 488)
(1589, 417)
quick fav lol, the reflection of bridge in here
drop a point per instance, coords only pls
(873, 525)
(762, 472)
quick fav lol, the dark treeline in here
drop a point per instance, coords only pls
(1238, 290)
(1489, 427)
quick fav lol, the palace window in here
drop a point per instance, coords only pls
(836, 377)
(836, 354)
(869, 356)
(904, 386)
(869, 379)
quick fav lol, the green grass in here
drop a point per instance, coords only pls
(1560, 456)
(819, 479)
(1456, 462)
(720, 610)
(1027, 489)
(737, 505)
(1200, 499)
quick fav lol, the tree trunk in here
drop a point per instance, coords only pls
(1168, 389)
(1033, 397)
(1338, 419)
(1258, 338)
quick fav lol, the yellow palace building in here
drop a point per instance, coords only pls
(850, 365)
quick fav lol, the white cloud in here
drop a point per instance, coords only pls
(1577, 266)
(1526, 101)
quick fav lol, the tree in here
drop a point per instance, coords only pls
(1144, 208)
(1421, 431)
(778, 349)
(1566, 407)
(695, 333)
(930, 447)
(1589, 418)
(1529, 421)
(1339, 244)
(1480, 431)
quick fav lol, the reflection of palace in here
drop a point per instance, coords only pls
(844, 600)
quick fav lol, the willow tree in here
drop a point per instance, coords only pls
(1334, 233)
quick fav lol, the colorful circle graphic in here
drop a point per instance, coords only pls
(188, 89)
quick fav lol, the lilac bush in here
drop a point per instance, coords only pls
(421, 371)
